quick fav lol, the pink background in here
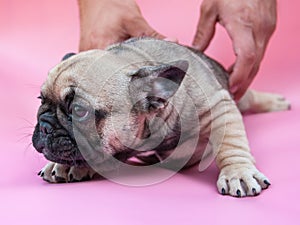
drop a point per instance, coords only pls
(35, 34)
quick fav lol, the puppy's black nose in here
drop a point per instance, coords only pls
(46, 128)
(47, 122)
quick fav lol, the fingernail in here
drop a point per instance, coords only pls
(171, 39)
(238, 192)
(267, 182)
(234, 89)
(196, 46)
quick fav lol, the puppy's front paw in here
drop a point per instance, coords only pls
(58, 173)
(241, 180)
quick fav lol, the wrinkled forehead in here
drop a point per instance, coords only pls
(87, 72)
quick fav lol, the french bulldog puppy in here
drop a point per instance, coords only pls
(152, 101)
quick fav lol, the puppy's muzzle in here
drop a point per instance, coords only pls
(54, 141)
(47, 122)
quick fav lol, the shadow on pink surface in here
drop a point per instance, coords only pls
(34, 37)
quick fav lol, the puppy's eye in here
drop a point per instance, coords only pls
(79, 112)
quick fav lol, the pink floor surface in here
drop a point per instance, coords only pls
(34, 35)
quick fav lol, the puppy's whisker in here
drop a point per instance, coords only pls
(28, 146)
(25, 136)
(23, 128)
(26, 120)
(33, 86)
(73, 160)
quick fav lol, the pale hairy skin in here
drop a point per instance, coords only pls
(219, 118)
(105, 22)
(249, 24)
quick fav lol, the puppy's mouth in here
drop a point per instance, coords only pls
(57, 146)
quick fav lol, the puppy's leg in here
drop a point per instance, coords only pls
(259, 102)
(59, 173)
(238, 174)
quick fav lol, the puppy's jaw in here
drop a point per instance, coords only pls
(57, 146)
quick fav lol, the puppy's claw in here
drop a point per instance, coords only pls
(53, 173)
(71, 177)
(39, 173)
(254, 191)
(239, 194)
(267, 182)
(223, 191)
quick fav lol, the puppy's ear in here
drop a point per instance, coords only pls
(68, 55)
(156, 84)
(167, 79)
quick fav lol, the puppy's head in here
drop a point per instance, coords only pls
(91, 109)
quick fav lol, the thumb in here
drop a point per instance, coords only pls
(205, 30)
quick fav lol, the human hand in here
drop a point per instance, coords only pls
(250, 24)
(104, 22)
